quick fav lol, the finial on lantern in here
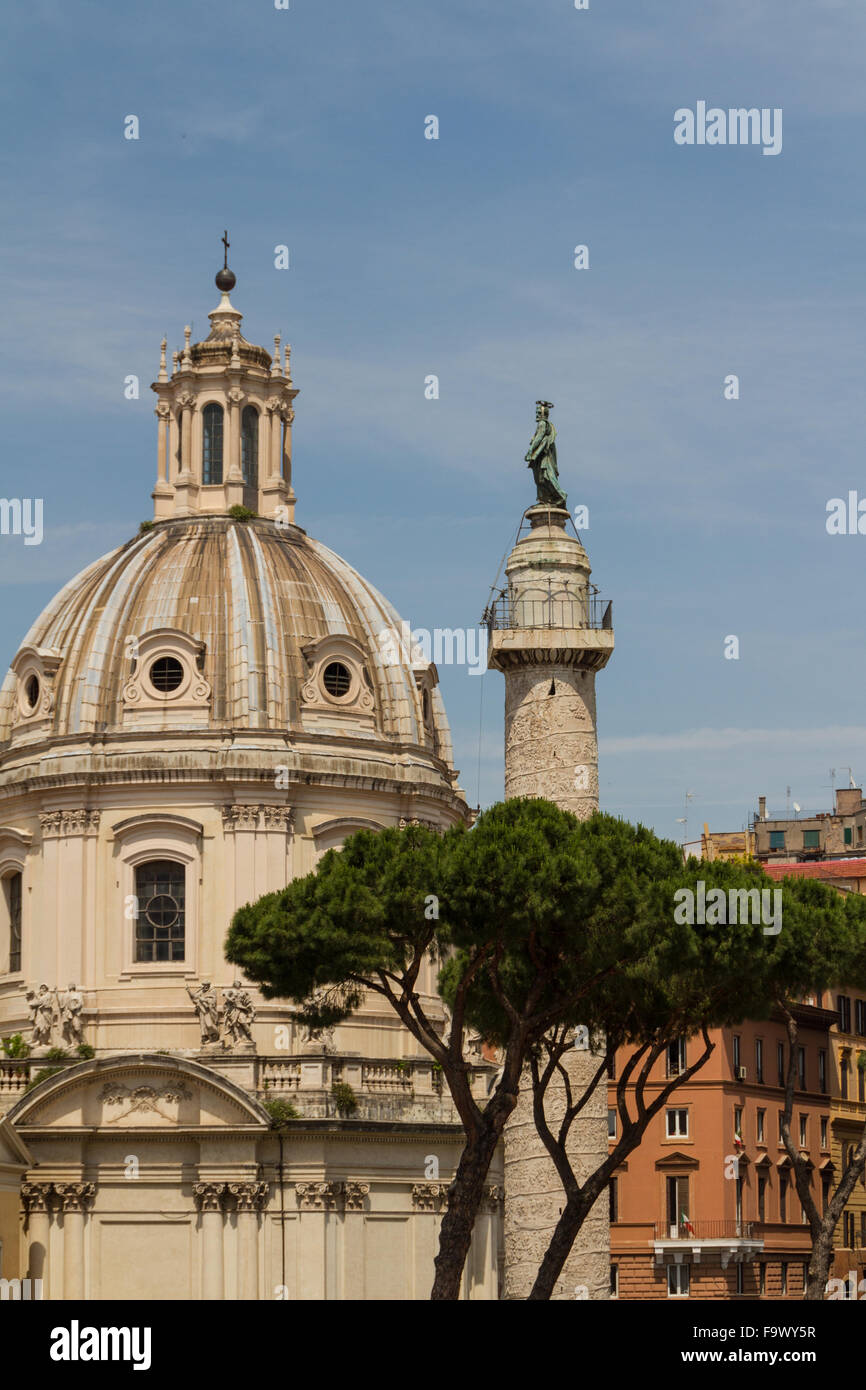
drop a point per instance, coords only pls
(225, 279)
(163, 374)
(288, 356)
(275, 364)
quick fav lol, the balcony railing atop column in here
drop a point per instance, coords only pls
(551, 608)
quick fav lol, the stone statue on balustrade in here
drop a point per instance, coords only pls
(41, 1006)
(206, 1004)
(238, 1017)
(70, 1007)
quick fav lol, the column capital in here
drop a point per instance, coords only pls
(250, 1196)
(355, 1195)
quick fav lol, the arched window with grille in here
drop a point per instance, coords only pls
(250, 446)
(12, 902)
(212, 444)
(160, 921)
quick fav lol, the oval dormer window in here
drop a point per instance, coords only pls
(166, 674)
(31, 691)
(337, 679)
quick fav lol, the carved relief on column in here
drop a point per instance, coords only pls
(494, 1197)
(209, 1195)
(430, 1196)
(74, 1196)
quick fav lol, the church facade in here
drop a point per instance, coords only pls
(193, 721)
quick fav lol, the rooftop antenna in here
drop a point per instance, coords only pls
(850, 772)
(787, 803)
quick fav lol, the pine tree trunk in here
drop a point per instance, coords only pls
(819, 1264)
(464, 1199)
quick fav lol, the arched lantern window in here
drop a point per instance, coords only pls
(250, 446)
(212, 444)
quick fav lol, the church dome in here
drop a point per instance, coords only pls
(208, 621)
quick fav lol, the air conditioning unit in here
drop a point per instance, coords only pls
(741, 1073)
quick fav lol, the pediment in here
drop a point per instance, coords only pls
(137, 1092)
(677, 1159)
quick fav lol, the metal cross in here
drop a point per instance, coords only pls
(226, 243)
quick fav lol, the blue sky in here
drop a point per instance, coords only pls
(410, 256)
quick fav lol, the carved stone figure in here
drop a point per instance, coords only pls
(541, 458)
(206, 1005)
(41, 1006)
(238, 1016)
(70, 1006)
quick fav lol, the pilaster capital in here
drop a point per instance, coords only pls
(430, 1196)
(209, 1195)
(318, 1196)
(77, 822)
(74, 1196)
(36, 1196)
(250, 1196)
(355, 1194)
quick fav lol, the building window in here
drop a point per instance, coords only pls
(741, 1285)
(784, 1278)
(676, 1057)
(678, 1281)
(762, 1279)
(810, 839)
(611, 1124)
(863, 1228)
(803, 1131)
(843, 1006)
(844, 1071)
(166, 674)
(613, 1199)
(823, 1131)
(848, 834)
(160, 890)
(777, 839)
(860, 1016)
(781, 1118)
(825, 1193)
(861, 1082)
(12, 893)
(801, 1068)
(677, 1124)
(736, 1052)
(759, 1060)
(762, 1197)
(780, 1062)
(250, 446)
(678, 1205)
(759, 1126)
(614, 1281)
(212, 444)
(783, 1197)
(848, 1230)
(822, 1071)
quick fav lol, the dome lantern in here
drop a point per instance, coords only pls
(224, 422)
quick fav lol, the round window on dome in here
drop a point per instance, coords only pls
(166, 674)
(337, 679)
(31, 691)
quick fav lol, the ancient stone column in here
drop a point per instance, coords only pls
(549, 635)
(210, 1198)
(74, 1197)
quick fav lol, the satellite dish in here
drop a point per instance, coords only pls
(796, 808)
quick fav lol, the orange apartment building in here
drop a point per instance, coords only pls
(706, 1207)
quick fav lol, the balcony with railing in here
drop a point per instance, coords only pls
(705, 1230)
(557, 607)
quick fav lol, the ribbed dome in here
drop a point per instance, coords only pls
(258, 597)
